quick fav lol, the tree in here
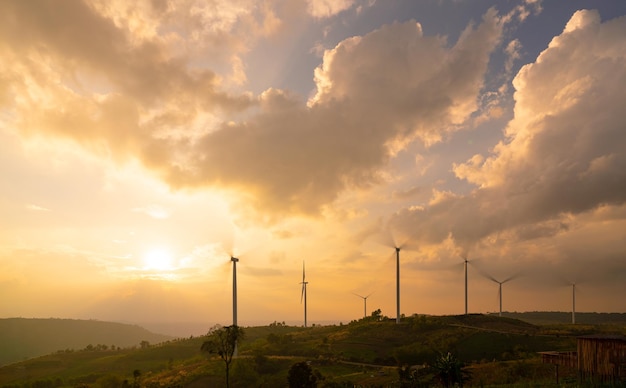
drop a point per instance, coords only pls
(136, 378)
(222, 340)
(449, 370)
(302, 376)
(377, 315)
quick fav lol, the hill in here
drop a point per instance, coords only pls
(367, 352)
(559, 317)
(24, 338)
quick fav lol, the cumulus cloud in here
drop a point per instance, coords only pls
(389, 86)
(512, 51)
(408, 194)
(94, 81)
(563, 155)
(91, 82)
(327, 8)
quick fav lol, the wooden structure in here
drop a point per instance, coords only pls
(602, 358)
(599, 358)
(567, 359)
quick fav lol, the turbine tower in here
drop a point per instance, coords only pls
(465, 262)
(364, 303)
(303, 296)
(573, 303)
(397, 285)
(500, 283)
(234, 260)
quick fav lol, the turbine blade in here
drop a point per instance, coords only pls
(512, 277)
(485, 274)
(302, 296)
(410, 245)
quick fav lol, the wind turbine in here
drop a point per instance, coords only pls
(397, 285)
(234, 260)
(390, 239)
(303, 296)
(500, 283)
(364, 303)
(573, 303)
(465, 262)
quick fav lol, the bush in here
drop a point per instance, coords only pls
(302, 376)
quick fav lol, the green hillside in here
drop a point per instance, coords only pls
(497, 352)
(24, 338)
(559, 317)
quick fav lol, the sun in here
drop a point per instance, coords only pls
(158, 260)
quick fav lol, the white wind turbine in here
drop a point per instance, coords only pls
(303, 296)
(465, 262)
(234, 254)
(397, 249)
(573, 283)
(500, 283)
(397, 284)
(465, 259)
(364, 303)
(234, 261)
(406, 244)
(573, 303)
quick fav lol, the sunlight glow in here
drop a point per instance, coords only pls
(158, 260)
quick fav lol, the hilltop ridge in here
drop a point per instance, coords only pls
(24, 338)
(369, 352)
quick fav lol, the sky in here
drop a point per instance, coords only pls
(142, 144)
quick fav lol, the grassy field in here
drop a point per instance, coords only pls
(497, 352)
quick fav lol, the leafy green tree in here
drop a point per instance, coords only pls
(302, 376)
(222, 340)
(376, 316)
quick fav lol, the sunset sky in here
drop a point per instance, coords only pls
(144, 143)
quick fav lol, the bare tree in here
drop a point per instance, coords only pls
(222, 340)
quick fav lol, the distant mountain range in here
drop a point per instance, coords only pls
(24, 338)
